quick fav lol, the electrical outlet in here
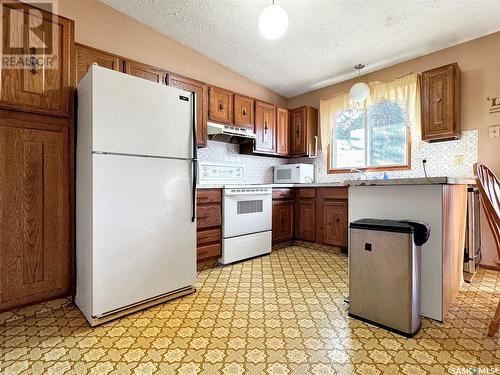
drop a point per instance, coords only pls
(459, 160)
(494, 131)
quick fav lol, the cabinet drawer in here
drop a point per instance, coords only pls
(306, 193)
(282, 193)
(210, 251)
(209, 236)
(333, 193)
(208, 216)
(208, 196)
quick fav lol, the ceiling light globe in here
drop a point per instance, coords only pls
(360, 92)
(273, 22)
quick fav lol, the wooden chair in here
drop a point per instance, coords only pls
(489, 187)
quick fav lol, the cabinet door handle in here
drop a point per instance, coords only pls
(265, 127)
(33, 60)
(437, 100)
(244, 112)
(221, 107)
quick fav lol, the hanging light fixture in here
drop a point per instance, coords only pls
(273, 21)
(359, 91)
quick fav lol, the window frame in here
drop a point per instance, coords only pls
(402, 167)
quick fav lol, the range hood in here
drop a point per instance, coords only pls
(224, 133)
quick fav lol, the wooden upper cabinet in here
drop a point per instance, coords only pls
(44, 83)
(440, 91)
(86, 56)
(282, 131)
(144, 71)
(35, 255)
(303, 130)
(220, 105)
(201, 91)
(243, 111)
(265, 127)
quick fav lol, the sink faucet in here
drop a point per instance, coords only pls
(360, 171)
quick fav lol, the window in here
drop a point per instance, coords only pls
(375, 137)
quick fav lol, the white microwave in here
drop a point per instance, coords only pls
(294, 174)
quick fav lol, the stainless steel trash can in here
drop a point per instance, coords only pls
(384, 273)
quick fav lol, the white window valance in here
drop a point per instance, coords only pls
(405, 89)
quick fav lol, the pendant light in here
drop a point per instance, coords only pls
(273, 22)
(359, 91)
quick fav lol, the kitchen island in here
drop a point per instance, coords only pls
(442, 203)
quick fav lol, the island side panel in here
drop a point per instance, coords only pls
(454, 224)
(415, 202)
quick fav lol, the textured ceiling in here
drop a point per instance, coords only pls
(325, 39)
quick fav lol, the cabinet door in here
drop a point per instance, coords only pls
(441, 103)
(34, 240)
(201, 91)
(221, 105)
(243, 111)
(43, 87)
(306, 221)
(282, 131)
(282, 221)
(144, 71)
(298, 132)
(86, 56)
(332, 225)
(265, 127)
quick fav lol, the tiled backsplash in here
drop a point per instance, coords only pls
(440, 158)
(258, 169)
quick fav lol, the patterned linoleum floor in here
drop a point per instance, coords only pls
(277, 314)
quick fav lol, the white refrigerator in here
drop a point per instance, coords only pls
(135, 194)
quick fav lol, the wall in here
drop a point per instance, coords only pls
(102, 27)
(479, 61)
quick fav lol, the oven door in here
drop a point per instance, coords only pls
(246, 213)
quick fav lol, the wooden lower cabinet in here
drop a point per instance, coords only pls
(311, 214)
(35, 256)
(332, 223)
(209, 224)
(306, 220)
(282, 220)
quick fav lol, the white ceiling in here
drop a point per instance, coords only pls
(325, 39)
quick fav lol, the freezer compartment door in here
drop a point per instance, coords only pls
(135, 116)
(143, 236)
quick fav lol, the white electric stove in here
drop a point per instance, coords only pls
(246, 212)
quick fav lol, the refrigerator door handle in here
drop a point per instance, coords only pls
(195, 158)
(195, 125)
(195, 178)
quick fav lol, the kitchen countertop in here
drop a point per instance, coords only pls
(362, 182)
(413, 181)
(313, 185)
